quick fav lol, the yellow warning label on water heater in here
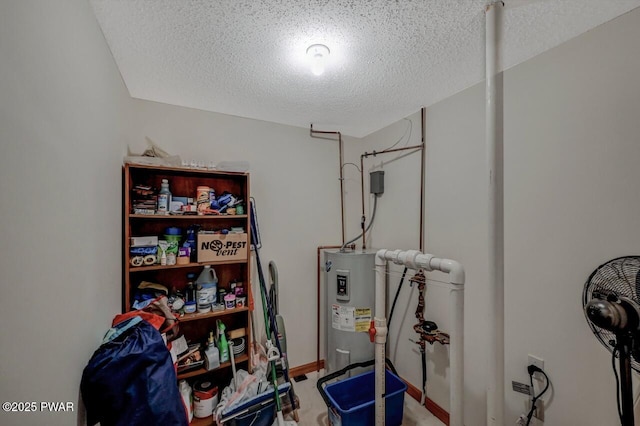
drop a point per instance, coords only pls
(349, 318)
(363, 319)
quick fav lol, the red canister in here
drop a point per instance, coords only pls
(205, 398)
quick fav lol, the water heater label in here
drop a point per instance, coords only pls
(349, 318)
(363, 319)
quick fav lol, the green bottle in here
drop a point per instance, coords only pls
(223, 345)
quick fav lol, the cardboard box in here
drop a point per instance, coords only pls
(151, 240)
(221, 247)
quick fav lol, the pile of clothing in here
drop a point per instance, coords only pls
(131, 378)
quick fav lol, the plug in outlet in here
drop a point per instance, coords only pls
(538, 362)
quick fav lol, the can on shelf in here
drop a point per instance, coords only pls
(202, 198)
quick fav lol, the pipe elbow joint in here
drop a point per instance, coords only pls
(455, 270)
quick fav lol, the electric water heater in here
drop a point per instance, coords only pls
(350, 302)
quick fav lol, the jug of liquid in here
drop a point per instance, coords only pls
(207, 289)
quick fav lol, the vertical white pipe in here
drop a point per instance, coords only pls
(456, 350)
(381, 337)
(495, 379)
(415, 260)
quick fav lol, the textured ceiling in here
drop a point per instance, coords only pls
(388, 58)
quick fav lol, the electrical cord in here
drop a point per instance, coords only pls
(533, 369)
(615, 373)
(409, 128)
(373, 216)
(395, 299)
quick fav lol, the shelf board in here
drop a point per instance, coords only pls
(198, 316)
(184, 170)
(187, 217)
(188, 265)
(238, 359)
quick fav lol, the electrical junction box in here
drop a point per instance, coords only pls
(376, 182)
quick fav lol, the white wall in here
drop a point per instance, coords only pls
(294, 179)
(455, 213)
(571, 140)
(63, 114)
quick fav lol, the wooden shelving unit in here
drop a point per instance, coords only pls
(183, 182)
(199, 372)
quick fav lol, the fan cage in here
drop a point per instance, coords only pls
(620, 277)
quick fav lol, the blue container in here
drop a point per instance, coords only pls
(354, 400)
(257, 411)
(263, 417)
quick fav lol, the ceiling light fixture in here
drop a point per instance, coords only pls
(318, 55)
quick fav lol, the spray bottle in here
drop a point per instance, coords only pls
(212, 354)
(223, 345)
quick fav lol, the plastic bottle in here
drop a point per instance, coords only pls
(191, 242)
(207, 288)
(212, 354)
(185, 393)
(190, 296)
(164, 198)
(223, 345)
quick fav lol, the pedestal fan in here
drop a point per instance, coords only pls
(611, 301)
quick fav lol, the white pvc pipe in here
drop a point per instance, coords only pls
(380, 324)
(416, 260)
(495, 379)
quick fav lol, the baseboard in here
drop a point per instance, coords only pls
(440, 413)
(306, 368)
(434, 408)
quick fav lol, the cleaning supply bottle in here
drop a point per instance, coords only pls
(207, 288)
(190, 296)
(212, 354)
(164, 198)
(223, 345)
(191, 241)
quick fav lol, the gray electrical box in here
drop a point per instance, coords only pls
(376, 182)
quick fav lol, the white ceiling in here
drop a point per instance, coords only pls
(388, 58)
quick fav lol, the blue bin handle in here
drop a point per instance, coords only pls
(339, 373)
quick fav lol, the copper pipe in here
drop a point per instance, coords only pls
(387, 151)
(422, 167)
(313, 134)
(352, 247)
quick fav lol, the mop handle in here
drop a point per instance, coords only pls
(274, 379)
(233, 364)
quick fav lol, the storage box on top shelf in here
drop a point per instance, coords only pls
(222, 247)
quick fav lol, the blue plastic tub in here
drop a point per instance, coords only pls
(353, 400)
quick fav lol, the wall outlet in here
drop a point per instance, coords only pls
(538, 362)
